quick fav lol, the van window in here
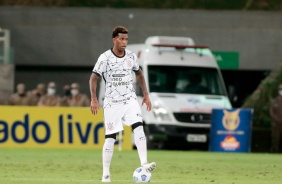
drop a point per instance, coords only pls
(181, 79)
(202, 51)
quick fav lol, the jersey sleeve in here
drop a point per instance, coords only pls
(100, 65)
(135, 63)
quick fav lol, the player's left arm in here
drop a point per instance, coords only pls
(142, 84)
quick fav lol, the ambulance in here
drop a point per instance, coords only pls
(184, 84)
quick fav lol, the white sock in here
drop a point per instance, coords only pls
(107, 154)
(141, 144)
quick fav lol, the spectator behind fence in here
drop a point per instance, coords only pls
(77, 98)
(50, 99)
(37, 93)
(20, 97)
(66, 96)
(67, 91)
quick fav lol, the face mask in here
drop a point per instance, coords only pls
(51, 91)
(74, 92)
(22, 94)
(280, 92)
(67, 93)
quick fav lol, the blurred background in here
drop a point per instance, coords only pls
(60, 40)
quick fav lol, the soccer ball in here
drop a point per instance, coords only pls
(141, 175)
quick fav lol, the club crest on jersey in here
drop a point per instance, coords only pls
(129, 62)
(110, 126)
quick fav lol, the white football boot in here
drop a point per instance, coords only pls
(150, 166)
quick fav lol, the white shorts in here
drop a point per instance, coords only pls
(116, 117)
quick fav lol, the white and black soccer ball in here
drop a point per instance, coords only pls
(141, 175)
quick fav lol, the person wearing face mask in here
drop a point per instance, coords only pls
(20, 97)
(77, 98)
(66, 95)
(276, 116)
(50, 99)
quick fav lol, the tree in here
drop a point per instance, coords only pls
(260, 99)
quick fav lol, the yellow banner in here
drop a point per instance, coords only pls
(54, 127)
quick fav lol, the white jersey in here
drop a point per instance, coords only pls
(117, 73)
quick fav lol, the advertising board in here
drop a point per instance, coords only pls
(54, 127)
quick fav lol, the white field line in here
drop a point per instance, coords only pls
(60, 180)
(71, 180)
(52, 180)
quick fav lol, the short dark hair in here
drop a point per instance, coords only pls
(119, 29)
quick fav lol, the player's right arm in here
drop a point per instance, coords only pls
(94, 105)
(97, 71)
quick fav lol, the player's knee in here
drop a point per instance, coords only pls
(135, 125)
(113, 136)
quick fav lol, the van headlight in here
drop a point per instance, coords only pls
(160, 113)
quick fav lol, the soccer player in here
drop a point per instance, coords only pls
(120, 102)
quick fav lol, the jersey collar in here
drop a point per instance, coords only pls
(116, 55)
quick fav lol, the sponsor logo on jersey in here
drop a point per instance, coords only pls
(118, 75)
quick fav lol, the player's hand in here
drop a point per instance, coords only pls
(94, 106)
(147, 101)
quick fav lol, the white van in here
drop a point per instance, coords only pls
(185, 84)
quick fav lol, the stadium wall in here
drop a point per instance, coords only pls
(76, 36)
(63, 44)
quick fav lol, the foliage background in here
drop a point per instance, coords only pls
(261, 98)
(159, 4)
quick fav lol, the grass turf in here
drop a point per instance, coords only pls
(54, 166)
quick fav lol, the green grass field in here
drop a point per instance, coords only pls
(36, 166)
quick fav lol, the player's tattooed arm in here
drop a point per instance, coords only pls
(142, 83)
(94, 106)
